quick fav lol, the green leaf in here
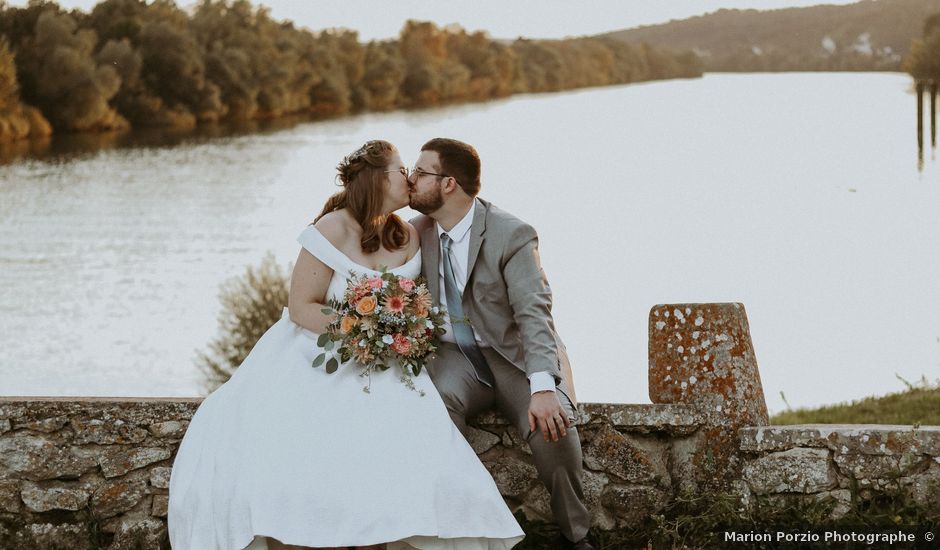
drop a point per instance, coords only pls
(332, 365)
(323, 339)
(416, 370)
(326, 310)
(381, 367)
(328, 345)
(319, 360)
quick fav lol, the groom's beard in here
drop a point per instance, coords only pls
(429, 202)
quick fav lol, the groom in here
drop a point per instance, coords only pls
(501, 349)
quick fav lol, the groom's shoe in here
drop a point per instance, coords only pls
(582, 544)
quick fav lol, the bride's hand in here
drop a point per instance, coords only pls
(546, 412)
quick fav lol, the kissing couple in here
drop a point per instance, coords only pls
(288, 456)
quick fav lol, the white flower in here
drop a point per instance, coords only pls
(362, 343)
(388, 339)
(429, 324)
(435, 309)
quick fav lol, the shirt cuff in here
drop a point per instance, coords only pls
(541, 381)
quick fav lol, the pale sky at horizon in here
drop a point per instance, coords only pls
(529, 18)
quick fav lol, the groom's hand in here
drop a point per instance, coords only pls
(546, 412)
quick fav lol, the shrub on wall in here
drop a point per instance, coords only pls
(250, 305)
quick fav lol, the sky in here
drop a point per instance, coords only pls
(379, 19)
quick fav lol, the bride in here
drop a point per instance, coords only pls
(285, 456)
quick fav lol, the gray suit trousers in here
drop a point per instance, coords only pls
(558, 463)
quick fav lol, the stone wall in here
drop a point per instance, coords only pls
(83, 473)
(93, 473)
(87, 472)
(842, 464)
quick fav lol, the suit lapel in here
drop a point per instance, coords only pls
(431, 260)
(476, 236)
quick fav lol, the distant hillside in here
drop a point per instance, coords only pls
(872, 35)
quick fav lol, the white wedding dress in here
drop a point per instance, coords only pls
(287, 451)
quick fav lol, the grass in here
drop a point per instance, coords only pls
(699, 521)
(919, 404)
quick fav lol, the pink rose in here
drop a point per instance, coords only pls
(406, 284)
(374, 282)
(401, 344)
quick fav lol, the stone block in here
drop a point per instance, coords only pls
(868, 439)
(107, 432)
(5, 425)
(593, 484)
(924, 487)
(45, 425)
(172, 429)
(48, 535)
(115, 497)
(841, 500)
(160, 477)
(872, 467)
(122, 461)
(139, 534)
(54, 496)
(160, 506)
(613, 453)
(481, 440)
(10, 496)
(793, 471)
(37, 458)
(513, 477)
(702, 355)
(672, 419)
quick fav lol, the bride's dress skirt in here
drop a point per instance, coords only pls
(287, 451)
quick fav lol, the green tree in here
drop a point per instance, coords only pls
(67, 84)
(9, 87)
(923, 59)
(251, 304)
(383, 75)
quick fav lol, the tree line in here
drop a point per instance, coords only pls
(133, 63)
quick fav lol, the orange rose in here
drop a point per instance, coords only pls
(366, 305)
(348, 323)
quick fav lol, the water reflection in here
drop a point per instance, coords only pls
(928, 88)
(64, 147)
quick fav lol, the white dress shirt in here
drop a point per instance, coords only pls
(459, 258)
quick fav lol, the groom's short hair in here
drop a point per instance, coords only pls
(458, 160)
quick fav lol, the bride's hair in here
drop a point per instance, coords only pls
(362, 176)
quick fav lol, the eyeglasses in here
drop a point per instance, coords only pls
(417, 173)
(403, 171)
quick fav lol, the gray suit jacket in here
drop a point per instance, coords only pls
(507, 297)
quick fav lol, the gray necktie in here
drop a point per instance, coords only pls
(463, 333)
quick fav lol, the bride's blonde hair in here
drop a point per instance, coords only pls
(362, 176)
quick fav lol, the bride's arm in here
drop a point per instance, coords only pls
(308, 286)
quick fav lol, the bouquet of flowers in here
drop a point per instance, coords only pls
(383, 321)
